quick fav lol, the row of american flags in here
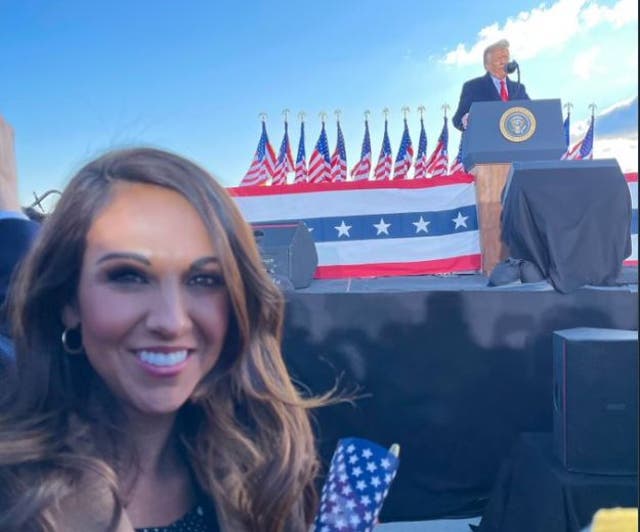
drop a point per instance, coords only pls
(269, 168)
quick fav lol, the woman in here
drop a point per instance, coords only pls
(150, 390)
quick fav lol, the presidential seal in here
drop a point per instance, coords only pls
(517, 124)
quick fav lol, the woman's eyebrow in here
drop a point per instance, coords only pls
(204, 261)
(124, 255)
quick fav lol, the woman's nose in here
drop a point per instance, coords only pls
(168, 314)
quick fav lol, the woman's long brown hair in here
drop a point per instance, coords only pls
(245, 431)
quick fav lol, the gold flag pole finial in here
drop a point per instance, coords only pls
(285, 113)
(568, 106)
(337, 112)
(395, 450)
(445, 107)
(385, 112)
(405, 111)
(421, 110)
(301, 115)
(366, 114)
(593, 107)
(262, 117)
(323, 116)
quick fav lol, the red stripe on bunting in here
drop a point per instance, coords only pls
(298, 188)
(465, 263)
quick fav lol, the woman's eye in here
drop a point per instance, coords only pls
(207, 280)
(126, 276)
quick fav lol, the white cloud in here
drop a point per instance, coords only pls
(620, 14)
(585, 64)
(544, 28)
(618, 105)
(625, 150)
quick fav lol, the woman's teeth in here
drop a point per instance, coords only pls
(162, 359)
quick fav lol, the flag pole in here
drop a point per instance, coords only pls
(323, 116)
(285, 113)
(445, 107)
(568, 106)
(301, 115)
(366, 115)
(385, 112)
(593, 107)
(405, 111)
(421, 110)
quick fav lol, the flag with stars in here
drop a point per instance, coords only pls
(584, 148)
(301, 159)
(405, 155)
(457, 165)
(362, 169)
(420, 168)
(357, 483)
(263, 164)
(378, 228)
(339, 159)
(284, 165)
(438, 163)
(383, 168)
(320, 162)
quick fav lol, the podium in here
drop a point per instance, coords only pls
(498, 134)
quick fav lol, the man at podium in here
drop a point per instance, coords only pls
(493, 86)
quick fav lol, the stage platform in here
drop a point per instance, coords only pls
(449, 368)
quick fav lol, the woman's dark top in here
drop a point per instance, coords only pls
(200, 519)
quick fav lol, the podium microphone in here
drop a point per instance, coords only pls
(511, 67)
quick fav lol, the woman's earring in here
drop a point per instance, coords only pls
(72, 341)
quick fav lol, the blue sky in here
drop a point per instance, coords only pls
(79, 77)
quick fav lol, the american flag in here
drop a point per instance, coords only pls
(584, 148)
(566, 129)
(383, 168)
(285, 159)
(362, 169)
(566, 125)
(339, 159)
(438, 163)
(405, 155)
(420, 169)
(263, 164)
(358, 481)
(320, 162)
(301, 159)
(457, 165)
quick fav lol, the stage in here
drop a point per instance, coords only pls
(449, 368)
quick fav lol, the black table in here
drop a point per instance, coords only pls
(570, 218)
(534, 493)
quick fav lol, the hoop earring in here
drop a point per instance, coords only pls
(72, 341)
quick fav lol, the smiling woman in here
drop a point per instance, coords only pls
(151, 391)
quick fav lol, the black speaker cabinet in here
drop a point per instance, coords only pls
(287, 250)
(595, 418)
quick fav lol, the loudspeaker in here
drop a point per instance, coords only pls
(595, 396)
(288, 251)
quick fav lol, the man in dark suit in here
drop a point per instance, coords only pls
(493, 86)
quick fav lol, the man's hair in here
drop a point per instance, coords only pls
(500, 45)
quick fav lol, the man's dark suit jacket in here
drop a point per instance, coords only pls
(16, 236)
(482, 89)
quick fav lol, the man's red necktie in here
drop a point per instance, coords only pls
(504, 95)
